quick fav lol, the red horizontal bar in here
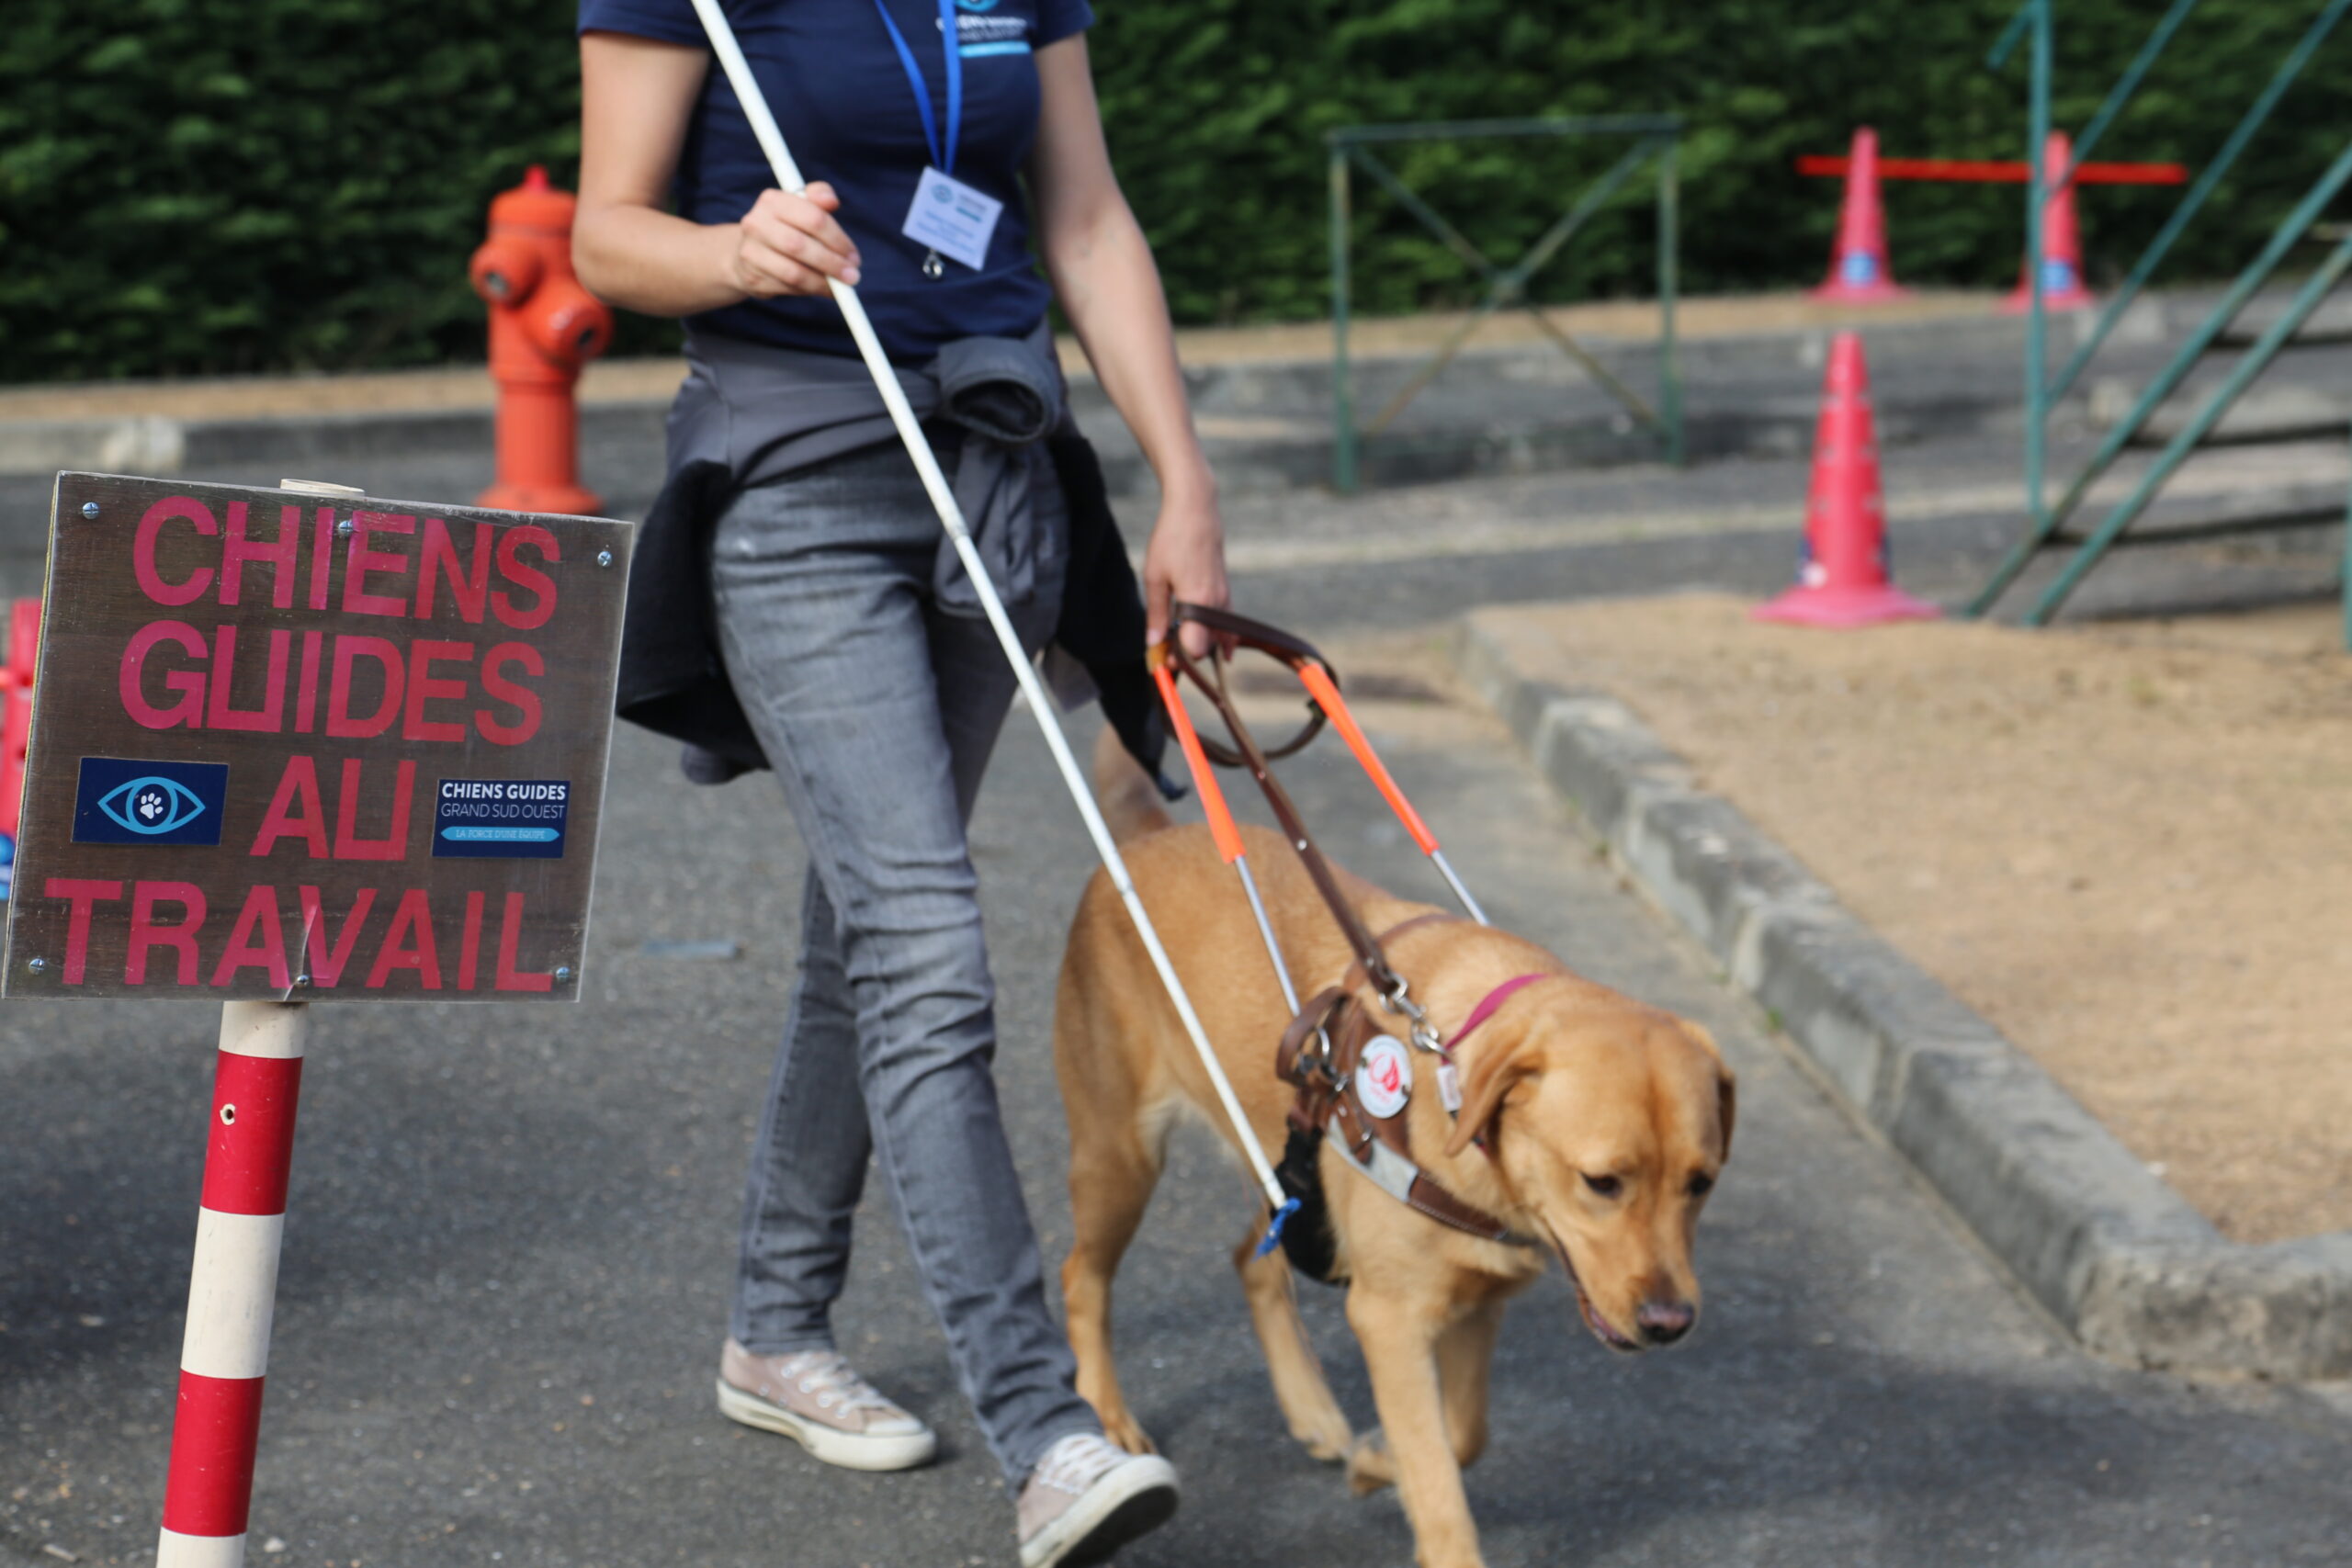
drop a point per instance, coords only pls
(2001, 171)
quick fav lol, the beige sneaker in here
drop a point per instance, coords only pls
(1086, 1499)
(817, 1399)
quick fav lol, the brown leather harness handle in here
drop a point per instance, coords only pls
(1255, 634)
(1259, 637)
(1360, 938)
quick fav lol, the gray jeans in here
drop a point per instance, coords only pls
(880, 712)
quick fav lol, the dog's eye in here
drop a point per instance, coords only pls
(1605, 1185)
(1701, 1184)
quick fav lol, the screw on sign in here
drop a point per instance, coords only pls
(311, 745)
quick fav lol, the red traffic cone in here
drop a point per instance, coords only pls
(2062, 240)
(1841, 573)
(1858, 274)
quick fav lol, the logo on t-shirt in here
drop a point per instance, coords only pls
(979, 35)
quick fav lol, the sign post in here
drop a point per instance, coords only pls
(232, 1284)
(242, 694)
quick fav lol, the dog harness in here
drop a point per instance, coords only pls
(1352, 1077)
(1333, 1054)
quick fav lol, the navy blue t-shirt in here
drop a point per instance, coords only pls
(840, 96)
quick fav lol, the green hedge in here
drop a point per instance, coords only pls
(219, 186)
(1216, 113)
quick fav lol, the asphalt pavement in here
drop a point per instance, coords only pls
(512, 1229)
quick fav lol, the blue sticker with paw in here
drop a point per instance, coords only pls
(123, 800)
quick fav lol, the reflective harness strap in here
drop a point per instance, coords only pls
(1422, 1193)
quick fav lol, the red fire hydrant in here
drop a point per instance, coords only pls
(543, 327)
(16, 727)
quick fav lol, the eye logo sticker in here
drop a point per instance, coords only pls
(124, 800)
(151, 806)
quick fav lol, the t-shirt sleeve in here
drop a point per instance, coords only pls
(665, 21)
(1056, 19)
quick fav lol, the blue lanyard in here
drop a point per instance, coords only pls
(944, 160)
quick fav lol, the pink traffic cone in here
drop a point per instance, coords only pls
(2062, 240)
(1842, 575)
(1858, 273)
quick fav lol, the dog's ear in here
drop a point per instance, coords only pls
(1726, 1082)
(1500, 1062)
(1726, 1104)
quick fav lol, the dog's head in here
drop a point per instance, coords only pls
(1610, 1122)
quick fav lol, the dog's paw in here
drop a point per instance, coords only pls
(1369, 1468)
(1329, 1448)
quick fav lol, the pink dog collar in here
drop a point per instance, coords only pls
(1489, 1002)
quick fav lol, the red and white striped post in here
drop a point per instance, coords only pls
(234, 1285)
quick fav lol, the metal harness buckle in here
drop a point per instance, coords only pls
(1320, 1059)
(1397, 997)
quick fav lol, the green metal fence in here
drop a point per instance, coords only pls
(2047, 524)
(1656, 143)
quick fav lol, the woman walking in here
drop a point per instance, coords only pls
(790, 606)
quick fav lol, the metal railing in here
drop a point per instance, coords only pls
(1657, 140)
(2046, 524)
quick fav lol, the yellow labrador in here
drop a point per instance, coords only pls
(1600, 1126)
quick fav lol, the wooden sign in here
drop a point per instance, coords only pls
(314, 748)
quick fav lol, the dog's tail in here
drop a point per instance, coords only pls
(1131, 803)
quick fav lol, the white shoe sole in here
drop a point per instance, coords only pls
(850, 1450)
(1133, 1500)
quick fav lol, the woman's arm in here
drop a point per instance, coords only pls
(636, 97)
(1103, 272)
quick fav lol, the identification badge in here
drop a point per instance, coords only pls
(1383, 1076)
(953, 218)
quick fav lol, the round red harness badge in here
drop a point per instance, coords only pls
(1383, 1076)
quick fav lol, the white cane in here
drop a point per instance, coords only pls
(894, 398)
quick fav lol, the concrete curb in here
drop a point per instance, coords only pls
(161, 443)
(2115, 1253)
(1520, 408)
(138, 444)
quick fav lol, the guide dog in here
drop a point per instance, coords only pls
(1591, 1125)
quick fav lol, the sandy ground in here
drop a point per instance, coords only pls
(631, 380)
(2127, 845)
